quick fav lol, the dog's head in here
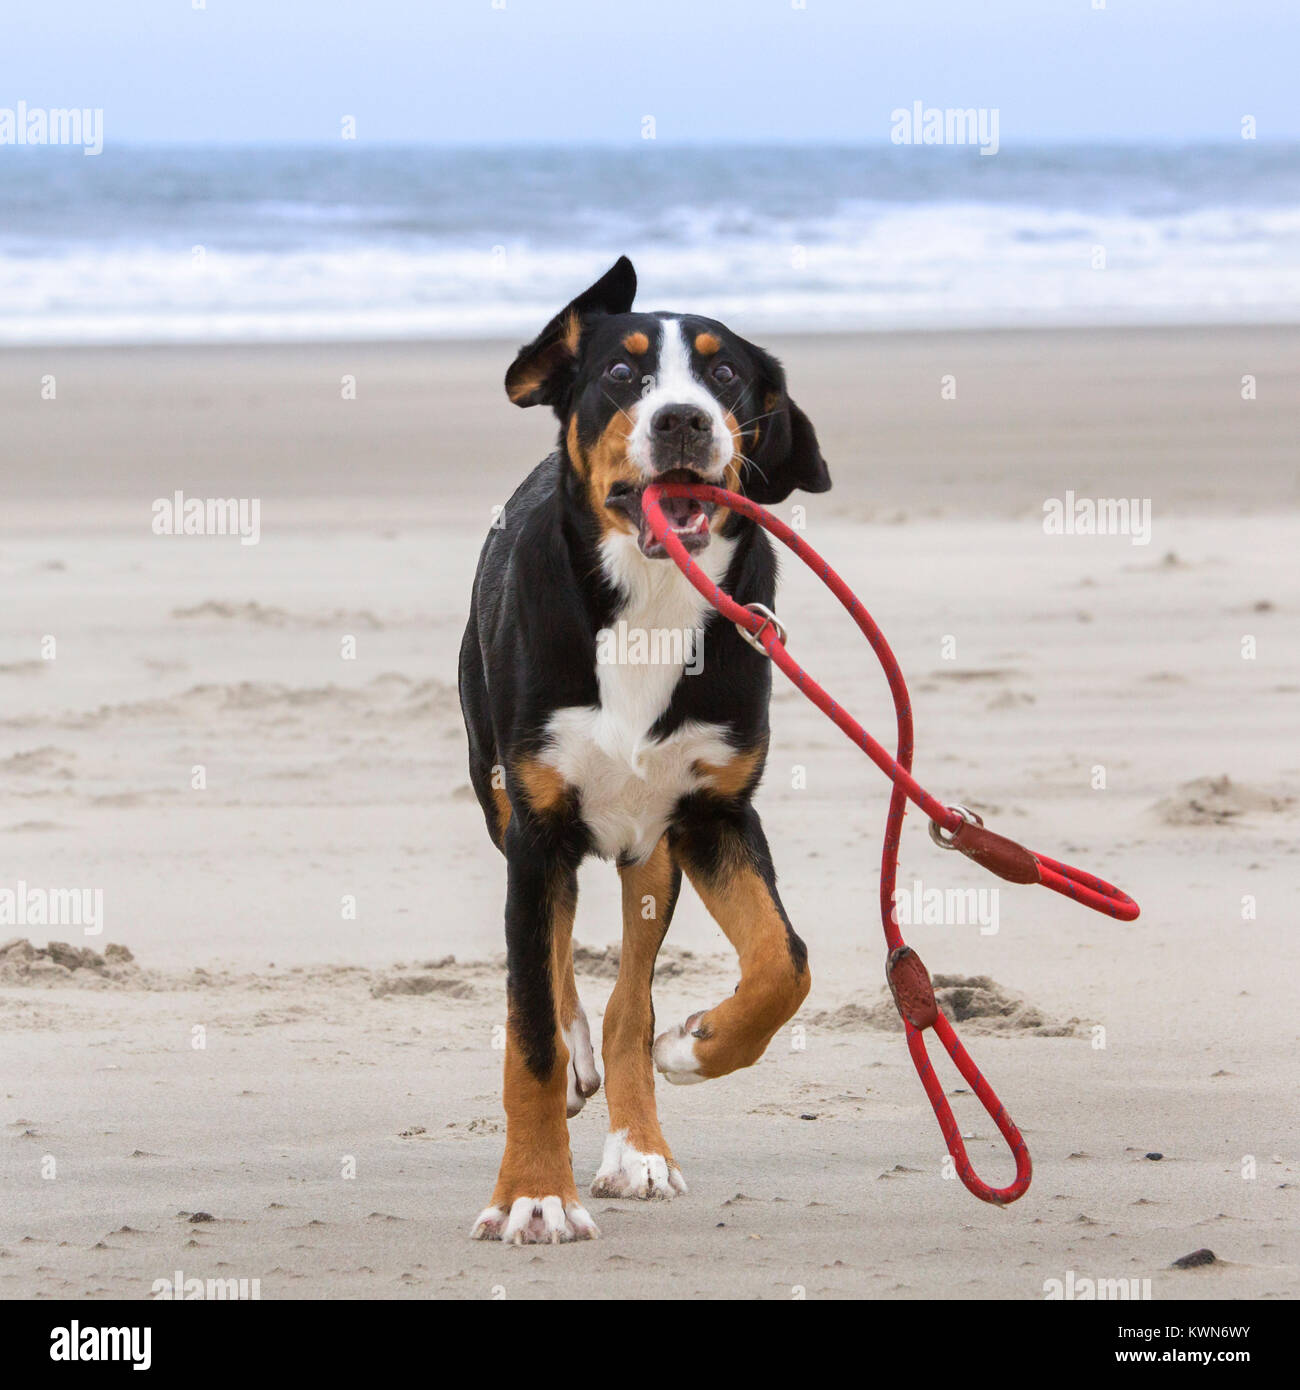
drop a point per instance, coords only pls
(668, 398)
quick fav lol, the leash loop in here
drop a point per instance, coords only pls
(909, 981)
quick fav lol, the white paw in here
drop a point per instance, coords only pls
(584, 1079)
(536, 1221)
(674, 1053)
(627, 1172)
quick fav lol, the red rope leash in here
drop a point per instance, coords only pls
(908, 978)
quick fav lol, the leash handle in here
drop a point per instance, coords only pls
(996, 1196)
(908, 979)
(913, 991)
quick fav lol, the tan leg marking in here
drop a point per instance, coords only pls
(736, 1032)
(629, 1015)
(501, 800)
(536, 1160)
(637, 1161)
(536, 1165)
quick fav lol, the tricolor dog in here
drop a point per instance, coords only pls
(651, 763)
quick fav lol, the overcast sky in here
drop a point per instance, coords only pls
(463, 72)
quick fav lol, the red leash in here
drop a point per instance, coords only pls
(908, 978)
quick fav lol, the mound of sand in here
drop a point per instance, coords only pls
(21, 963)
(975, 1002)
(1216, 801)
(433, 977)
(267, 615)
(599, 964)
(47, 761)
(603, 964)
(265, 705)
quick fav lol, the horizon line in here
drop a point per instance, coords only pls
(774, 142)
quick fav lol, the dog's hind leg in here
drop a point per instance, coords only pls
(725, 855)
(535, 1200)
(637, 1161)
(583, 1078)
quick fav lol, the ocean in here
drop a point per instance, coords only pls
(346, 242)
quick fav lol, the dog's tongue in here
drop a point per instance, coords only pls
(687, 520)
(680, 511)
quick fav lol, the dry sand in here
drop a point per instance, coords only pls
(340, 1123)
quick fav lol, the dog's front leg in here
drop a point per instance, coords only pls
(637, 1161)
(725, 855)
(535, 1200)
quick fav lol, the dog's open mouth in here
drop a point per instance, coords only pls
(688, 518)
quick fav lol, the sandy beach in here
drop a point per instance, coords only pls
(289, 1073)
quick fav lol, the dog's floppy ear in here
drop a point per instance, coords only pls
(787, 455)
(543, 371)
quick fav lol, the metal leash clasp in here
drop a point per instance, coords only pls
(769, 619)
(936, 830)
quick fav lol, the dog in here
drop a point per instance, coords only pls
(577, 750)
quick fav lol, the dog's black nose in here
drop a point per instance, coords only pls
(681, 421)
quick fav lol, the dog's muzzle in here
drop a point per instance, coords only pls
(688, 518)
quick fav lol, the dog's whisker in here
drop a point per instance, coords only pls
(756, 418)
(745, 459)
(618, 407)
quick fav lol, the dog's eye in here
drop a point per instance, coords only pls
(619, 371)
(723, 374)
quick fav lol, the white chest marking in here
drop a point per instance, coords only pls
(628, 781)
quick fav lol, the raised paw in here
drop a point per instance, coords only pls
(536, 1221)
(627, 1172)
(674, 1052)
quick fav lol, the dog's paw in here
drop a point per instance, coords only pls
(674, 1052)
(627, 1172)
(584, 1079)
(536, 1221)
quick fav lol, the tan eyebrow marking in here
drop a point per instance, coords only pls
(706, 344)
(637, 343)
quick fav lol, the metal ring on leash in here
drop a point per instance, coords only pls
(769, 619)
(936, 830)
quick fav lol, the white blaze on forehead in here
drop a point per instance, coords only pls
(675, 383)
